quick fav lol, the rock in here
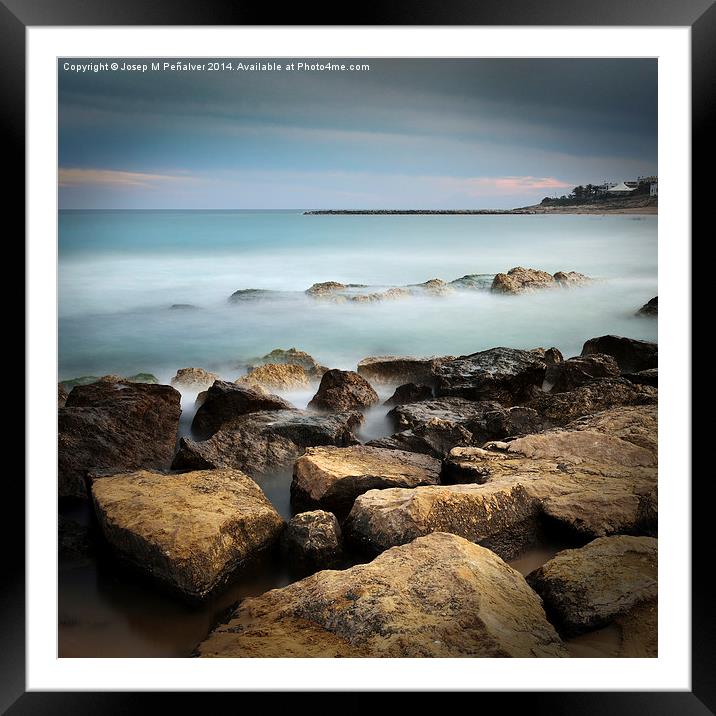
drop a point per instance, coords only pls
(200, 398)
(435, 438)
(61, 395)
(521, 280)
(82, 380)
(551, 356)
(397, 370)
(343, 390)
(143, 378)
(391, 294)
(312, 538)
(190, 531)
(588, 588)
(267, 441)
(333, 477)
(183, 307)
(73, 541)
(194, 379)
(292, 356)
(631, 355)
(226, 401)
(573, 372)
(327, 287)
(277, 376)
(635, 424)
(434, 286)
(108, 427)
(439, 596)
(409, 393)
(650, 376)
(571, 279)
(650, 308)
(457, 411)
(251, 294)
(601, 394)
(588, 483)
(507, 375)
(504, 422)
(474, 281)
(89, 379)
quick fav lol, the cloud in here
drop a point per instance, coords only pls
(115, 178)
(507, 185)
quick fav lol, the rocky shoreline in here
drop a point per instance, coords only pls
(491, 453)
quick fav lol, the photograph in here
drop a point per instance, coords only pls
(357, 357)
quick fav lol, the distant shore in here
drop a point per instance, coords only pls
(619, 205)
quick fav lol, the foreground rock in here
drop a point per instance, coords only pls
(225, 402)
(189, 531)
(74, 542)
(650, 376)
(333, 477)
(343, 390)
(588, 588)
(312, 539)
(437, 597)
(277, 376)
(61, 395)
(292, 356)
(588, 483)
(650, 308)
(630, 354)
(574, 372)
(89, 379)
(397, 370)
(635, 424)
(194, 379)
(267, 441)
(507, 375)
(524, 280)
(409, 393)
(108, 427)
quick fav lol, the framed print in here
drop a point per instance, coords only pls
(355, 335)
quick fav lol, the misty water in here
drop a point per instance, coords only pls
(121, 272)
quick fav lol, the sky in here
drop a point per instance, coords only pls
(434, 134)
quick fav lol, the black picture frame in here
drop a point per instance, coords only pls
(699, 15)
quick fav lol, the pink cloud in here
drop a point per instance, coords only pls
(481, 186)
(115, 178)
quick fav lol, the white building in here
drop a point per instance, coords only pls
(654, 188)
(621, 189)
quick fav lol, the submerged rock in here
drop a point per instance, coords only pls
(507, 375)
(588, 588)
(569, 279)
(188, 531)
(194, 379)
(327, 287)
(183, 307)
(439, 596)
(292, 356)
(630, 354)
(108, 427)
(333, 477)
(434, 286)
(277, 376)
(573, 372)
(343, 390)
(266, 441)
(225, 402)
(474, 281)
(251, 294)
(312, 538)
(524, 280)
(650, 308)
(397, 370)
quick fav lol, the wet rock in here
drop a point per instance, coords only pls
(188, 531)
(89, 379)
(591, 484)
(507, 375)
(570, 279)
(588, 588)
(333, 477)
(397, 370)
(108, 427)
(409, 393)
(277, 376)
(435, 438)
(267, 441)
(525, 280)
(292, 356)
(194, 379)
(630, 354)
(573, 372)
(455, 599)
(225, 402)
(551, 356)
(650, 376)
(251, 294)
(650, 308)
(312, 538)
(601, 394)
(61, 395)
(474, 281)
(343, 390)
(434, 286)
(504, 422)
(391, 294)
(327, 287)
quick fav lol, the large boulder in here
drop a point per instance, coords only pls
(439, 596)
(396, 370)
(630, 354)
(570, 279)
(333, 477)
(580, 370)
(507, 375)
(312, 539)
(457, 411)
(650, 376)
(558, 409)
(277, 376)
(409, 393)
(268, 441)
(525, 280)
(588, 588)
(193, 379)
(586, 482)
(343, 390)
(291, 356)
(225, 402)
(112, 426)
(650, 308)
(435, 438)
(637, 424)
(190, 531)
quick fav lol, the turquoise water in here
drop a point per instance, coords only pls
(119, 273)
